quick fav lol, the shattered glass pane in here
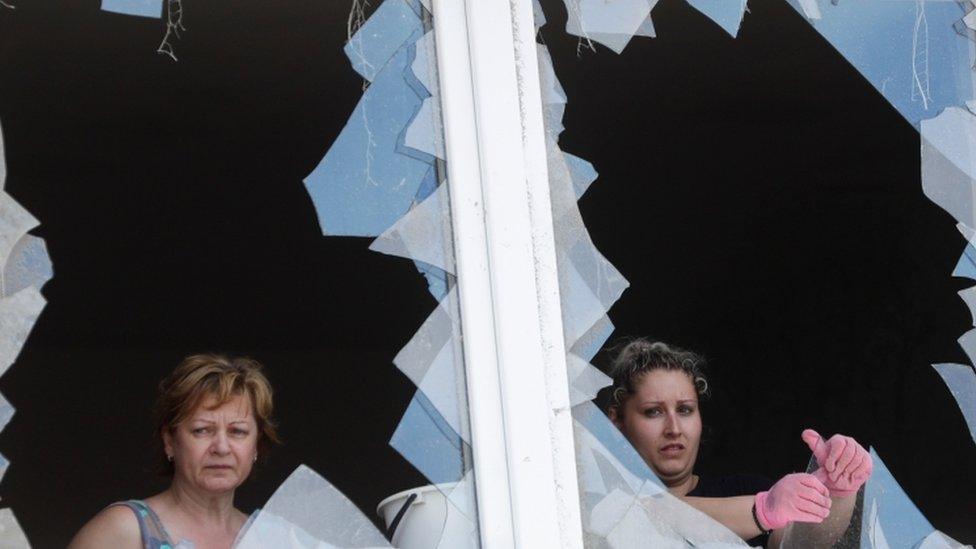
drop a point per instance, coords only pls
(306, 511)
(385, 177)
(908, 50)
(142, 8)
(24, 268)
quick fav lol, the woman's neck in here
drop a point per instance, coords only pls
(681, 487)
(202, 507)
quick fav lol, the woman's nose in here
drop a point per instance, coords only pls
(671, 424)
(220, 445)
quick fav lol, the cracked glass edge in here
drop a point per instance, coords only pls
(384, 176)
(25, 267)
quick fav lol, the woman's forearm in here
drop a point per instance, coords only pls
(735, 513)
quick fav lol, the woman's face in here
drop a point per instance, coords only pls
(662, 421)
(215, 448)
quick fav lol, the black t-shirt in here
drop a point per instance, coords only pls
(733, 485)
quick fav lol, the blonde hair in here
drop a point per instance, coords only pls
(198, 377)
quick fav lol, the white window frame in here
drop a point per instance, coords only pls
(515, 358)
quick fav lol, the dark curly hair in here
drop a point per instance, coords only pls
(636, 357)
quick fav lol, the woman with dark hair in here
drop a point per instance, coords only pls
(655, 402)
(213, 420)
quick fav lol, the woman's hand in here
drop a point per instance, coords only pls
(798, 497)
(844, 464)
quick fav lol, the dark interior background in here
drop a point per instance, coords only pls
(762, 198)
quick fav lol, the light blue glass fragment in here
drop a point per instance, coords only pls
(898, 517)
(18, 313)
(582, 172)
(966, 267)
(968, 343)
(362, 185)
(28, 265)
(4, 464)
(393, 24)
(597, 424)
(538, 16)
(422, 234)
(429, 443)
(961, 380)
(307, 512)
(949, 162)
(646, 29)
(612, 24)
(581, 308)
(909, 51)
(590, 342)
(439, 283)
(727, 14)
(6, 412)
(585, 380)
(141, 8)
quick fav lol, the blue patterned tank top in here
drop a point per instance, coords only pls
(154, 534)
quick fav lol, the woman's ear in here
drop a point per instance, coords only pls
(167, 441)
(614, 414)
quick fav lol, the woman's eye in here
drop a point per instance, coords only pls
(651, 412)
(686, 410)
(239, 432)
(200, 430)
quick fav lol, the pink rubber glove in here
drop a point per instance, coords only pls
(799, 497)
(844, 464)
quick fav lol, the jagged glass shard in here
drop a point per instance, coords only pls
(28, 265)
(581, 172)
(141, 8)
(11, 534)
(961, 380)
(727, 14)
(893, 510)
(426, 440)
(873, 530)
(585, 380)
(363, 184)
(968, 343)
(966, 267)
(590, 343)
(581, 307)
(393, 24)
(432, 361)
(15, 221)
(949, 162)
(6, 412)
(424, 133)
(909, 51)
(461, 522)
(623, 502)
(538, 16)
(422, 234)
(810, 8)
(938, 540)
(308, 512)
(969, 297)
(17, 316)
(646, 29)
(4, 463)
(439, 283)
(612, 24)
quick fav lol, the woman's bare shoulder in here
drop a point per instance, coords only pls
(114, 526)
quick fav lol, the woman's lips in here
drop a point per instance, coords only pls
(672, 449)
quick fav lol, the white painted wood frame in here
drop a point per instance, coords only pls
(515, 358)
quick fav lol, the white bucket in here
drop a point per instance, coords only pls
(422, 525)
